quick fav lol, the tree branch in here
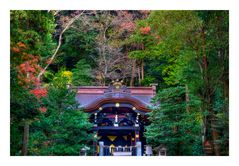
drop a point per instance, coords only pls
(59, 45)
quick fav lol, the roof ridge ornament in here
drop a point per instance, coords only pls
(116, 87)
(117, 84)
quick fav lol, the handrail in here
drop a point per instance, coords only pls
(119, 149)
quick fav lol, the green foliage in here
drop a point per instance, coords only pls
(63, 129)
(35, 29)
(176, 49)
(222, 120)
(21, 111)
(16, 135)
(147, 81)
(79, 44)
(48, 76)
(187, 48)
(173, 126)
(82, 74)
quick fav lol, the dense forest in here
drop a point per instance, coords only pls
(186, 53)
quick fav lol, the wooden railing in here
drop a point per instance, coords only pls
(119, 151)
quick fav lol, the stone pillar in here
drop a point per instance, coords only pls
(138, 148)
(148, 150)
(101, 145)
(163, 151)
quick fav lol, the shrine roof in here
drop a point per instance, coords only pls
(92, 97)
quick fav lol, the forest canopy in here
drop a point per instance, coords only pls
(186, 53)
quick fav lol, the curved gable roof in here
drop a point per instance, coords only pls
(92, 97)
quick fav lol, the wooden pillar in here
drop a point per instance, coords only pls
(95, 120)
(132, 140)
(137, 120)
(136, 136)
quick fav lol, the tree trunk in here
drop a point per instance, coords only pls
(187, 98)
(139, 75)
(132, 75)
(215, 135)
(208, 97)
(142, 69)
(226, 89)
(25, 138)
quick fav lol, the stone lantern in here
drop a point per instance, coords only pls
(163, 151)
(83, 151)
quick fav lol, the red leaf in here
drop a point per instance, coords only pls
(145, 30)
(42, 109)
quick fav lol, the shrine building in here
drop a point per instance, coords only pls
(119, 115)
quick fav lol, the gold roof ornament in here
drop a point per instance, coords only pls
(117, 84)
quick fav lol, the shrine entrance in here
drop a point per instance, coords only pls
(119, 116)
(119, 128)
(117, 143)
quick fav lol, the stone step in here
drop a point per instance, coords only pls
(122, 153)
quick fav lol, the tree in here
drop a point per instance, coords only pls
(173, 126)
(193, 60)
(52, 57)
(79, 44)
(34, 29)
(82, 74)
(185, 52)
(31, 39)
(63, 128)
(22, 115)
